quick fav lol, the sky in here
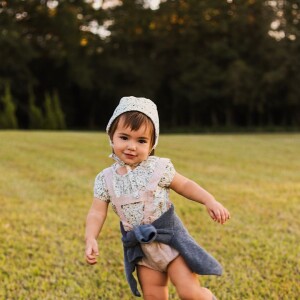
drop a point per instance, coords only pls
(153, 4)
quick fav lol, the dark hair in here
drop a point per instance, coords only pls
(134, 120)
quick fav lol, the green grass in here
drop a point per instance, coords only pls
(46, 183)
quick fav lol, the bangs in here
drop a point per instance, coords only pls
(135, 120)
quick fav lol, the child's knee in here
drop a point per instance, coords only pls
(155, 293)
(194, 293)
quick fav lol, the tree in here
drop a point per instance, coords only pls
(50, 115)
(8, 119)
(60, 117)
(205, 63)
(36, 119)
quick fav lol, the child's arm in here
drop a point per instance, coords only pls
(94, 222)
(191, 190)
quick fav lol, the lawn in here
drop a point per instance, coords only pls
(46, 188)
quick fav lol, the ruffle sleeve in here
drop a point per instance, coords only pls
(100, 188)
(168, 175)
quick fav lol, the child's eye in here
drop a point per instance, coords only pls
(124, 138)
(142, 141)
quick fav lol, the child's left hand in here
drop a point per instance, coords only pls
(217, 211)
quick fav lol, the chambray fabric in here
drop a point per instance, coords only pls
(167, 229)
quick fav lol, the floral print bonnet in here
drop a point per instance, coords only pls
(143, 105)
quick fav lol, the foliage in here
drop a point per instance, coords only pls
(205, 63)
(46, 193)
(50, 115)
(8, 119)
(60, 117)
(54, 116)
(36, 120)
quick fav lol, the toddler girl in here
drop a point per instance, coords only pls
(137, 185)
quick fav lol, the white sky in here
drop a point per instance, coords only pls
(153, 4)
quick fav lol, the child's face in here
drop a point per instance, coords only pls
(132, 147)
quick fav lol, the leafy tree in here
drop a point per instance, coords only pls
(205, 63)
(16, 52)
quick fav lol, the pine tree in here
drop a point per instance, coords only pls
(8, 119)
(50, 118)
(60, 117)
(36, 119)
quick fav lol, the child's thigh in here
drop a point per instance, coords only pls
(186, 282)
(154, 284)
(181, 274)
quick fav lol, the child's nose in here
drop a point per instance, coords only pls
(131, 146)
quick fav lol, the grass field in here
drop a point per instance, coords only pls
(46, 183)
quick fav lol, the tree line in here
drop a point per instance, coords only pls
(206, 64)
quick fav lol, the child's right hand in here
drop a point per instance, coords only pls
(91, 251)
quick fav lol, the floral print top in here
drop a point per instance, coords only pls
(134, 181)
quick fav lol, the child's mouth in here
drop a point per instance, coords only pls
(129, 155)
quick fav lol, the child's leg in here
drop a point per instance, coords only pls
(154, 284)
(186, 282)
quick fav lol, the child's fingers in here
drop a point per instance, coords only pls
(221, 216)
(224, 215)
(88, 250)
(91, 261)
(212, 215)
(91, 258)
(91, 247)
(227, 214)
(91, 253)
(95, 250)
(217, 215)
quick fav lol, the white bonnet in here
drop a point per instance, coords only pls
(143, 105)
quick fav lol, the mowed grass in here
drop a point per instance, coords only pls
(46, 188)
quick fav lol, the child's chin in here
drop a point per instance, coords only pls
(130, 161)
